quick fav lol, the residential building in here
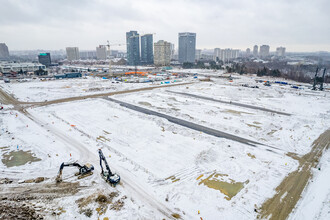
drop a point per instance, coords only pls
(227, 54)
(147, 54)
(72, 53)
(264, 51)
(4, 52)
(172, 51)
(133, 48)
(247, 52)
(198, 54)
(87, 55)
(216, 55)
(44, 58)
(101, 52)
(187, 47)
(280, 51)
(162, 55)
(255, 51)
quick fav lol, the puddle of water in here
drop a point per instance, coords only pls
(18, 158)
(236, 112)
(145, 103)
(173, 178)
(254, 126)
(229, 189)
(102, 138)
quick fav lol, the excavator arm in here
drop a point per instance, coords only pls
(83, 170)
(110, 177)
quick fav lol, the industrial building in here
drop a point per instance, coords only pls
(187, 47)
(68, 75)
(6, 67)
(44, 58)
(162, 53)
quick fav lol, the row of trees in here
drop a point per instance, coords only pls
(201, 65)
(283, 70)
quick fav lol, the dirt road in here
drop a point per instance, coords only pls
(9, 100)
(289, 191)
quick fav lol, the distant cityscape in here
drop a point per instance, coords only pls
(143, 51)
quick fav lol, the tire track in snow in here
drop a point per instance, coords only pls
(130, 185)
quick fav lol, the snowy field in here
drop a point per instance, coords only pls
(166, 167)
(39, 91)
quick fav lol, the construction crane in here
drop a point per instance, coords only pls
(109, 51)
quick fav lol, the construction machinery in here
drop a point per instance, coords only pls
(107, 175)
(84, 171)
(318, 80)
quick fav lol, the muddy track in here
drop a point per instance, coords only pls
(289, 191)
(40, 191)
(7, 99)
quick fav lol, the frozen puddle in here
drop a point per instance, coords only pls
(18, 158)
(229, 189)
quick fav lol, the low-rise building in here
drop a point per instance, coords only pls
(24, 67)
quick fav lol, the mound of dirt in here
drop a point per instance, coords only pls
(13, 210)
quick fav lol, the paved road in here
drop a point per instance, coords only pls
(230, 102)
(191, 125)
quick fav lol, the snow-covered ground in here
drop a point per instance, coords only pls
(39, 91)
(165, 167)
(315, 202)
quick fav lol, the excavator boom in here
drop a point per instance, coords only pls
(84, 171)
(110, 177)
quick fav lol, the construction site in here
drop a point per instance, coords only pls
(188, 144)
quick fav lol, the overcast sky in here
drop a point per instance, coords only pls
(298, 25)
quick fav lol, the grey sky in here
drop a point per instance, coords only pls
(299, 25)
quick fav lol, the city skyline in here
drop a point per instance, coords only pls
(300, 26)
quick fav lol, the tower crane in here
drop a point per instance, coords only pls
(108, 45)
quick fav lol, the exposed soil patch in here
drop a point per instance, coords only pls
(251, 155)
(14, 210)
(229, 189)
(289, 191)
(173, 179)
(234, 112)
